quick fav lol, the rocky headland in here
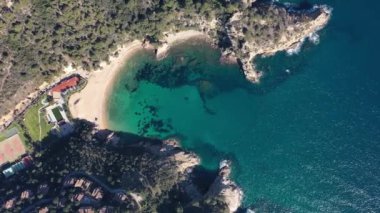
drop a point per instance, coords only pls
(225, 189)
(223, 192)
(257, 28)
(131, 173)
(266, 29)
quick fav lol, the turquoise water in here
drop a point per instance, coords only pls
(304, 141)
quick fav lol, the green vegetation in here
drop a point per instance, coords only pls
(2, 136)
(34, 121)
(15, 126)
(128, 166)
(39, 37)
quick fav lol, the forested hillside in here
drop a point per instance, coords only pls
(155, 172)
(39, 37)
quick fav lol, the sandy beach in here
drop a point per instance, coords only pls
(172, 39)
(91, 102)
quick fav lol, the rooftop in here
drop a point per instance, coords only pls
(66, 84)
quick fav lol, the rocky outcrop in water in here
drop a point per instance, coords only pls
(259, 28)
(264, 29)
(224, 188)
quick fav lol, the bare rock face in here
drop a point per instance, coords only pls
(265, 29)
(185, 161)
(224, 188)
(181, 160)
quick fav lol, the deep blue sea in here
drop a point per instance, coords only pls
(306, 140)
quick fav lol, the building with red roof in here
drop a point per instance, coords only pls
(66, 84)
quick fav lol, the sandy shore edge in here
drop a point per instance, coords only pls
(91, 102)
(172, 39)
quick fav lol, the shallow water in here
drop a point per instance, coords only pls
(303, 140)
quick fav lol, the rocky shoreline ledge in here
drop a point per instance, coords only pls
(222, 188)
(95, 169)
(262, 28)
(226, 188)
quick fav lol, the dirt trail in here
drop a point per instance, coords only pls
(8, 73)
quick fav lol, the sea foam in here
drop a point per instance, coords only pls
(296, 49)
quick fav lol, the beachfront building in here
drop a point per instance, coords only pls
(56, 113)
(65, 85)
(58, 91)
(57, 116)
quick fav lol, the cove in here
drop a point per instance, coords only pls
(303, 140)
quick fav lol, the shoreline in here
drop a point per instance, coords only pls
(173, 39)
(91, 102)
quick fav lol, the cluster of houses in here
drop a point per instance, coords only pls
(25, 195)
(89, 192)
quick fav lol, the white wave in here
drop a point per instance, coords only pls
(314, 38)
(326, 8)
(296, 49)
(249, 211)
(224, 163)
